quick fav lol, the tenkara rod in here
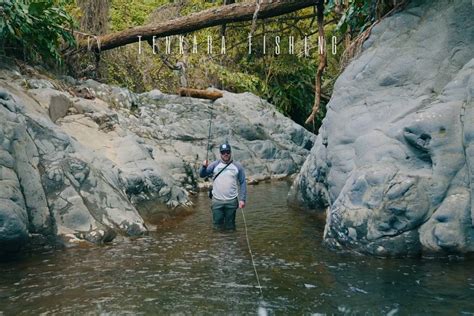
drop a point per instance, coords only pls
(209, 134)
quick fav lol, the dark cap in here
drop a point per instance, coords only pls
(224, 147)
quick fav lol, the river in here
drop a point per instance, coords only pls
(186, 268)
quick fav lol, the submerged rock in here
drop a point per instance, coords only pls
(393, 161)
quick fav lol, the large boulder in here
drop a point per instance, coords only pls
(50, 187)
(393, 160)
(13, 211)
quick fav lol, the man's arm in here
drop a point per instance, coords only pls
(242, 186)
(207, 169)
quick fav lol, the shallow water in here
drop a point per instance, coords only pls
(186, 268)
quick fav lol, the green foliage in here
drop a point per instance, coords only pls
(286, 80)
(129, 13)
(34, 30)
(235, 80)
(137, 73)
(359, 14)
(357, 17)
(291, 86)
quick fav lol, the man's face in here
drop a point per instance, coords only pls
(225, 155)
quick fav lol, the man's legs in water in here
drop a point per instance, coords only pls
(223, 213)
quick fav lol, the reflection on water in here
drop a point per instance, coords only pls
(186, 267)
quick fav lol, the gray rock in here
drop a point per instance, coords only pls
(59, 106)
(68, 80)
(26, 167)
(48, 189)
(392, 161)
(7, 102)
(57, 103)
(14, 221)
(39, 84)
(115, 96)
(89, 106)
(13, 226)
(154, 95)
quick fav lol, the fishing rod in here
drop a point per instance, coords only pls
(209, 134)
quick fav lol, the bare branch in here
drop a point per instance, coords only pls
(321, 66)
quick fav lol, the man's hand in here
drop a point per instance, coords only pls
(205, 163)
(241, 204)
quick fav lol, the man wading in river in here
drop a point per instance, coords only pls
(229, 189)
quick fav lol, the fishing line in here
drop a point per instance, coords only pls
(251, 255)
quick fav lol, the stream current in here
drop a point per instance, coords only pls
(187, 268)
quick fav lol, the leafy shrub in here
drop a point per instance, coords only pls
(34, 30)
(358, 15)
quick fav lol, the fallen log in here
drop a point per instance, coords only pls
(236, 12)
(201, 94)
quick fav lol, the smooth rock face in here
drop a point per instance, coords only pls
(393, 160)
(76, 166)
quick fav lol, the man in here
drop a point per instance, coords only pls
(229, 189)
